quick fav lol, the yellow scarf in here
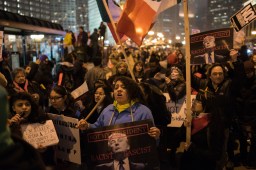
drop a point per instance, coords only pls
(122, 107)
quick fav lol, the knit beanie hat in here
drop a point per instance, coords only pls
(248, 67)
(43, 58)
(176, 68)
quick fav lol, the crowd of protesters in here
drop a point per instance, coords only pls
(225, 98)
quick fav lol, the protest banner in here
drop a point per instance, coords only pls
(243, 17)
(128, 142)
(211, 46)
(178, 111)
(68, 148)
(40, 135)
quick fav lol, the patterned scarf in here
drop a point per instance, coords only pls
(19, 89)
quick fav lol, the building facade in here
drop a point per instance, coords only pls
(220, 11)
(33, 8)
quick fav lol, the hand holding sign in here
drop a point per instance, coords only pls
(40, 135)
(83, 124)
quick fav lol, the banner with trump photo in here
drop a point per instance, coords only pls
(125, 146)
(211, 46)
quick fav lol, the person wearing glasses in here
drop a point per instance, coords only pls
(61, 102)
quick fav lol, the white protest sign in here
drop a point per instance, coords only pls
(243, 17)
(40, 135)
(80, 90)
(178, 111)
(68, 147)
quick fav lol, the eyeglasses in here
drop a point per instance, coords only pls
(99, 94)
(55, 98)
(215, 74)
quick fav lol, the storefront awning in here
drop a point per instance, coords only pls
(23, 25)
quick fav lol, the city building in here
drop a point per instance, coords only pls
(71, 14)
(94, 21)
(204, 15)
(32, 8)
(220, 11)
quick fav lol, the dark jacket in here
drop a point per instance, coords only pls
(224, 95)
(44, 74)
(176, 89)
(20, 156)
(69, 112)
(246, 101)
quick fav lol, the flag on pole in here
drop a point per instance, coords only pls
(138, 16)
(115, 11)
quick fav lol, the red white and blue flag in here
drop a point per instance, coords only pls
(138, 16)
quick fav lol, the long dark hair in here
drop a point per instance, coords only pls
(63, 92)
(36, 115)
(133, 90)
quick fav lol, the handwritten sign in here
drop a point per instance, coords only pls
(178, 111)
(68, 147)
(40, 135)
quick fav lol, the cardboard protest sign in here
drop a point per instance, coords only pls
(40, 135)
(243, 17)
(178, 111)
(128, 143)
(68, 147)
(80, 90)
(211, 46)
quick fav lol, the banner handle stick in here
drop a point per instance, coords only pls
(188, 75)
(94, 108)
(118, 38)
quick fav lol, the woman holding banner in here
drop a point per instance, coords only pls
(127, 107)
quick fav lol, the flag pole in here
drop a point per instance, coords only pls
(118, 39)
(188, 74)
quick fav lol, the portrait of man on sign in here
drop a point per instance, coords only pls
(119, 145)
(209, 56)
(126, 146)
(211, 46)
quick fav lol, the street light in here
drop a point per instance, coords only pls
(151, 33)
(160, 35)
